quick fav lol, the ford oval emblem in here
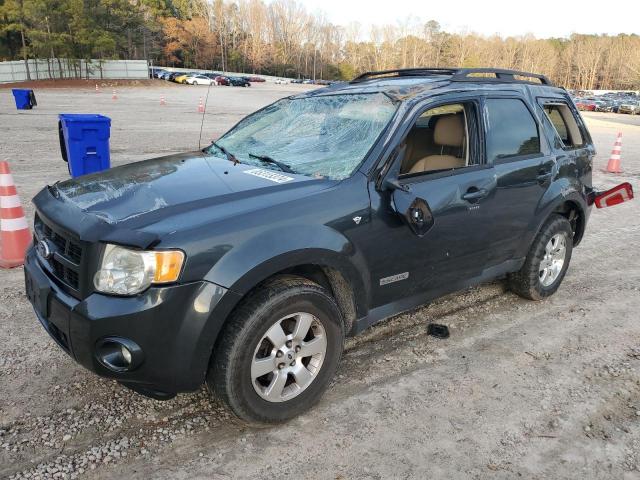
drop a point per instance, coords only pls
(43, 249)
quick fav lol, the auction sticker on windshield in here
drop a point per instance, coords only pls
(269, 175)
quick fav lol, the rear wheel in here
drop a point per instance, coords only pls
(547, 261)
(279, 351)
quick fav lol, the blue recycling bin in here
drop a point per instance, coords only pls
(25, 98)
(84, 142)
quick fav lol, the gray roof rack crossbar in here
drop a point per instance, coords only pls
(501, 76)
(404, 72)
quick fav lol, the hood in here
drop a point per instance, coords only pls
(139, 194)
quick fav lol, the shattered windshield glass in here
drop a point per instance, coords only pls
(325, 136)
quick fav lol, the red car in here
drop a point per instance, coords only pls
(222, 80)
(588, 105)
(255, 79)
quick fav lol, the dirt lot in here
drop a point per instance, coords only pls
(520, 389)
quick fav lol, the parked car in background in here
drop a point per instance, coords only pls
(586, 105)
(172, 76)
(281, 81)
(239, 82)
(155, 72)
(182, 78)
(603, 105)
(199, 80)
(630, 107)
(254, 79)
(222, 80)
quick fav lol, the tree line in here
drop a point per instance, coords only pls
(283, 38)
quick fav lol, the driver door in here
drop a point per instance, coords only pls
(431, 228)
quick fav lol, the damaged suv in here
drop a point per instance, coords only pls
(245, 265)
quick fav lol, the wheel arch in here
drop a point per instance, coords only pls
(574, 213)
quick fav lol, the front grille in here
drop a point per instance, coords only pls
(65, 261)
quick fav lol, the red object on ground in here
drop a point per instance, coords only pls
(613, 166)
(200, 106)
(114, 96)
(162, 102)
(614, 196)
(15, 236)
(97, 89)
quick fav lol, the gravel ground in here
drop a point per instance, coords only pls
(520, 389)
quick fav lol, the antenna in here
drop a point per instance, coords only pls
(206, 99)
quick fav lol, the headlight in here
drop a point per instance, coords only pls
(124, 271)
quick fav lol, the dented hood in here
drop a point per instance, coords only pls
(137, 195)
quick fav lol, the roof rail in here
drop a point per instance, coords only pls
(404, 72)
(500, 75)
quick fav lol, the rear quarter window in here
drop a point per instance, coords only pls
(511, 129)
(565, 124)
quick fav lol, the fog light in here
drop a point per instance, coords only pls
(118, 354)
(126, 354)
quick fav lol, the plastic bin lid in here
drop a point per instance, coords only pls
(83, 117)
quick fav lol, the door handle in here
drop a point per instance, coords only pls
(474, 194)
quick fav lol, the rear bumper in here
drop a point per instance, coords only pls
(175, 327)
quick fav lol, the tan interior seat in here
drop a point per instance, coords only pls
(449, 131)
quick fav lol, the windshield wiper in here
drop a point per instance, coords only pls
(265, 158)
(230, 156)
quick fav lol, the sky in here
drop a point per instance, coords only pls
(542, 18)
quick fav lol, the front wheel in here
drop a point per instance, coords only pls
(279, 351)
(547, 261)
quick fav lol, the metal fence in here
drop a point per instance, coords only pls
(42, 69)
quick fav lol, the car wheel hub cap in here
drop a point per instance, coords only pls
(553, 260)
(288, 357)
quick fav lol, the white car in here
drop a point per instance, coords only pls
(280, 81)
(199, 80)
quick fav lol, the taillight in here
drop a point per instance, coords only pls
(614, 196)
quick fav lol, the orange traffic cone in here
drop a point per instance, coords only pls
(15, 236)
(162, 102)
(115, 95)
(200, 106)
(614, 160)
(97, 89)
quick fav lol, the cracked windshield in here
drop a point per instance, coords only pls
(325, 136)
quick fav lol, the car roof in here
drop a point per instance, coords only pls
(408, 84)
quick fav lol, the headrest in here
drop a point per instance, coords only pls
(449, 130)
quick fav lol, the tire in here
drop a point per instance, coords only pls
(235, 374)
(534, 281)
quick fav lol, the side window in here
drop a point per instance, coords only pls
(562, 119)
(438, 140)
(511, 129)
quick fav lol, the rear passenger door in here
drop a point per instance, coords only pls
(523, 167)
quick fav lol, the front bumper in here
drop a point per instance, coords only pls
(175, 326)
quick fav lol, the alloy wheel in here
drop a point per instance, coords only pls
(289, 357)
(553, 260)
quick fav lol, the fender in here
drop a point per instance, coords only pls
(248, 264)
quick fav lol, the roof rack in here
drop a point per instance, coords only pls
(500, 76)
(404, 72)
(461, 75)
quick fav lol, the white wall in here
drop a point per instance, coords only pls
(15, 71)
